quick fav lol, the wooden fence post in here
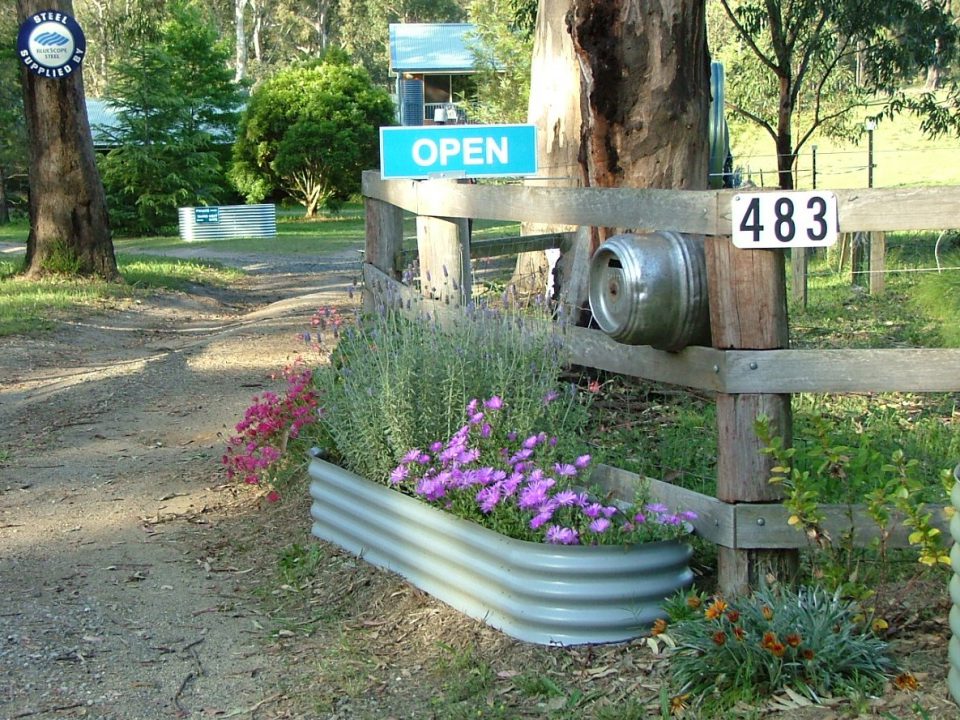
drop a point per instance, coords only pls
(443, 245)
(748, 310)
(799, 262)
(878, 262)
(384, 240)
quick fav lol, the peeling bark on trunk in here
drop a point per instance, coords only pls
(69, 228)
(645, 94)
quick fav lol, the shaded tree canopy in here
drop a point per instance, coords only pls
(176, 102)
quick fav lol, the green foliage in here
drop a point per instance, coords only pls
(175, 101)
(807, 640)
(396, 384)
(309, 131)
(13, 134)
(815, 462)
(937, 296)
(503, 48)
(798, 68)
(61, 259)
(298, 564)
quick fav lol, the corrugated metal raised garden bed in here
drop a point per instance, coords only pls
(540, 593)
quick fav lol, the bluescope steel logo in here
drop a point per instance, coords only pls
(51, 44)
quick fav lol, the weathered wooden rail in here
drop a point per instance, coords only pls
(750, 369)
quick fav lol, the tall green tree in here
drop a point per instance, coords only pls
(502, 45)
(176, 102)
(309, 131)
(796, 67)
(13, 131)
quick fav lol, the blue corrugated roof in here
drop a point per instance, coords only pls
(430, 47)
(102, 117)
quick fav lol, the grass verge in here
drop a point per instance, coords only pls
(34, 306)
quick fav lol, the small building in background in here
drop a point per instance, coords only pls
(435, 72)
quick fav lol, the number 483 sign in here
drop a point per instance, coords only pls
(784, 219)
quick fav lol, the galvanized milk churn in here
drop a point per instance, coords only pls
(651, 290)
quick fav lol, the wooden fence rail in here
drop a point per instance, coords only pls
(750, 369)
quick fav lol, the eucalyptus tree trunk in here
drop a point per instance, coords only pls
(644, 92)
(554, 107)
(69, 227)
(240, 33)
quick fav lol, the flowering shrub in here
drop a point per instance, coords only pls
(516, 486)
(807, 640)
(398, 380)
(267, 426)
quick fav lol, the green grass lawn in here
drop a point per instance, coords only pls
(903, 156)
(35, 306)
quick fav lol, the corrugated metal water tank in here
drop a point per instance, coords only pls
(220, 222)
(651, 290)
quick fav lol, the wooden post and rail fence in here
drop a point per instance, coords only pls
(750, 369)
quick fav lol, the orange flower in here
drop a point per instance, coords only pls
(778, 649)
(769, 638)
(906, 681)
(733, 615)
(693, 601)
(738, 632)
(719, 637)
(678, 703)
(793, 640)
(807, 654)
(715, 609)
(767, 613)
(659, 626)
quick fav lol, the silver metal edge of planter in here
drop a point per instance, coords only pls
(535, 592)
(953, 651)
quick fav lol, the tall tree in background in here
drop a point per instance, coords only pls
(502, 46)
(111, 27)
(175, 101)
(69, 229)
(796, 67)
(13, 132)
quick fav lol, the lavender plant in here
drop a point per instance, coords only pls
(397, 382)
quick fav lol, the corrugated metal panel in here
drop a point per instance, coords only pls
(220, 222)
(953, 648)
(430, 47)
(547, 594)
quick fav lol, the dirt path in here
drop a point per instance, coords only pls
(119, 598)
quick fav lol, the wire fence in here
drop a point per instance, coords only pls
(858, 167)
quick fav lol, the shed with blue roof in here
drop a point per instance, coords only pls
(434, 67)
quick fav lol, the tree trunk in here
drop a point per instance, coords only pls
(69, 227)
(645, 92)
(4, 209)
(554, 107)
(644, 95)
(785, 152)
(240, 71)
